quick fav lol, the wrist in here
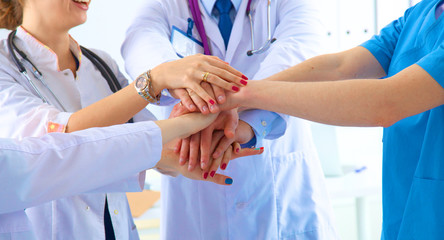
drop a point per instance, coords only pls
(156, 77)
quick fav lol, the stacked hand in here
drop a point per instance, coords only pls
(213, 147)
(183, 78)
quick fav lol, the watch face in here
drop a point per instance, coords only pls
(140, 83)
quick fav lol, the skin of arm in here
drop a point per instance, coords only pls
(118, 108)
(355, 102)
(356, 63)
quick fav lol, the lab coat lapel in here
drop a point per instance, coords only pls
(212, 31)
(237, 32)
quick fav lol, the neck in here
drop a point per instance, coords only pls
(57, 40)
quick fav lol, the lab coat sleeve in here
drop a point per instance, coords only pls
(23, 112)
(299, 36)
(149, 26)
(382, 46)
(37, 170)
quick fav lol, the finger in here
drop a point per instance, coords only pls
(205, 144)
(218, 161)
(194, 151)
(209, 89)
(201, 104)
(248, 152)
(217, 136)
(200, 91)
(231, 124)
(184, 149)
(178, 146)
(222, 146)
(215, 78)
(220, 179)
(219, 94)
(214, 61)
(236, 149)
(178, 110)
(186, 99)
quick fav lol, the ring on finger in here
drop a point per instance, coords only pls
(205, 76)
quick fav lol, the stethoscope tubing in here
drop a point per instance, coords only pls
(98, 62)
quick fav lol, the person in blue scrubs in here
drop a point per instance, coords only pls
(394, 80)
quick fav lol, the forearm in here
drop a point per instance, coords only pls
(356, 63)
(183, 126)
(336, 103)
(358, 102)
(117, 108)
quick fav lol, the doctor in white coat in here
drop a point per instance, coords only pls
(279, 195)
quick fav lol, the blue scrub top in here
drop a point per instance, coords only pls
(413, 154)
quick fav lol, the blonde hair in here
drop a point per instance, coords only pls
(11, 13)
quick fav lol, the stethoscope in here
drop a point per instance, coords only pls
(101, 65)
(195, 12)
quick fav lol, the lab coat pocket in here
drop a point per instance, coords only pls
(301, 198)
(424, 210)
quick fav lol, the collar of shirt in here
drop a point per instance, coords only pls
(40, 54)
(209, 5)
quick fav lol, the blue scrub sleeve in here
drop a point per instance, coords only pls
(383, 45)
(433, 64)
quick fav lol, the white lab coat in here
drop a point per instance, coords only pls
(23, 114)
(279, 195)
(29, 167)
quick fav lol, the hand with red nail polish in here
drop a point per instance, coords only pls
(189, 72)
(169, 163)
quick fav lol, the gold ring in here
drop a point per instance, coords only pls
(205, 76)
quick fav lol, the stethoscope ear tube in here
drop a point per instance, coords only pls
(103, 68)
(12, 47)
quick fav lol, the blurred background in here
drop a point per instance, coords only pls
(351, 157)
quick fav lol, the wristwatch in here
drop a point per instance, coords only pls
(145, 88)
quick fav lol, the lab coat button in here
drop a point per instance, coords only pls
(87, 208)
(264, 123)
(116, 212)
(264, 133)
(66, 73)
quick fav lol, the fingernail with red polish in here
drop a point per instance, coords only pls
(243, 82)
(212, 173)
(236, 89)
(205, 175)
(212, 102)
(237, 150)
(223, 166)
(244, 77)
